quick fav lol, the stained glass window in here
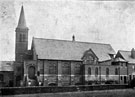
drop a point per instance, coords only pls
(52, 68)
(65, 67)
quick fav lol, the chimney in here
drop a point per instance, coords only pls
(133, 53)
(73, 38)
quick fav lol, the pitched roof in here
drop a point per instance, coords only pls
(69, 50)
(127, 56)
(118, 59)
(22, 22)
(6, 65)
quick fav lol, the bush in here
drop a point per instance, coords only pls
(132, 83)
(109, 82)
(90, 82)
(41, 89)
(78, 84)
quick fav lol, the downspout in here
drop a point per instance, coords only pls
(70, 71)
(37, 68)
(84, 75)
(119, 74)
(127, 73)
(43, 73)
(99, 71)
(100, 74)
(57, 74)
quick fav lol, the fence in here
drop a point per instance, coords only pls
(34, 90)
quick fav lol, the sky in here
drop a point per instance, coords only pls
(109, 22)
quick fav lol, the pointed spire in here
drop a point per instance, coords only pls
(22, 22)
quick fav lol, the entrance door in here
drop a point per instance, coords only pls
(31, 72)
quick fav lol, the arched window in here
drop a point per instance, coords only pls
(96, 71)
(22, 37)
(77, 69)
(89, 71)
(116, 71)
(66, 68)
(107, 72)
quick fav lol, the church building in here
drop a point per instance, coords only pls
(61, 62)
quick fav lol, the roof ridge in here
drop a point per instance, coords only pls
(72, 41)
(7, 61)
(124, 50)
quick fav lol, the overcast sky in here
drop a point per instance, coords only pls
(110, 22)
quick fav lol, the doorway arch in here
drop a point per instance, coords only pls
(31, 72)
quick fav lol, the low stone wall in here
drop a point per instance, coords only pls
(34, 90)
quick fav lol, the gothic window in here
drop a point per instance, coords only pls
(107, 72)
(89, 71)
(77, 69)
(52, 68)
(66, 68)
(96, 71)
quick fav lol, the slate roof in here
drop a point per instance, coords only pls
(127, 56)
(6, 65)
(69, 50)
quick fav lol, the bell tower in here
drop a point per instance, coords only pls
(21, 44)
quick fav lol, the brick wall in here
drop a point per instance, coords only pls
(60, 77)
(74, 77)
(7, 77)
(101, 73)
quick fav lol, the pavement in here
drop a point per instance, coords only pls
(101, 93)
